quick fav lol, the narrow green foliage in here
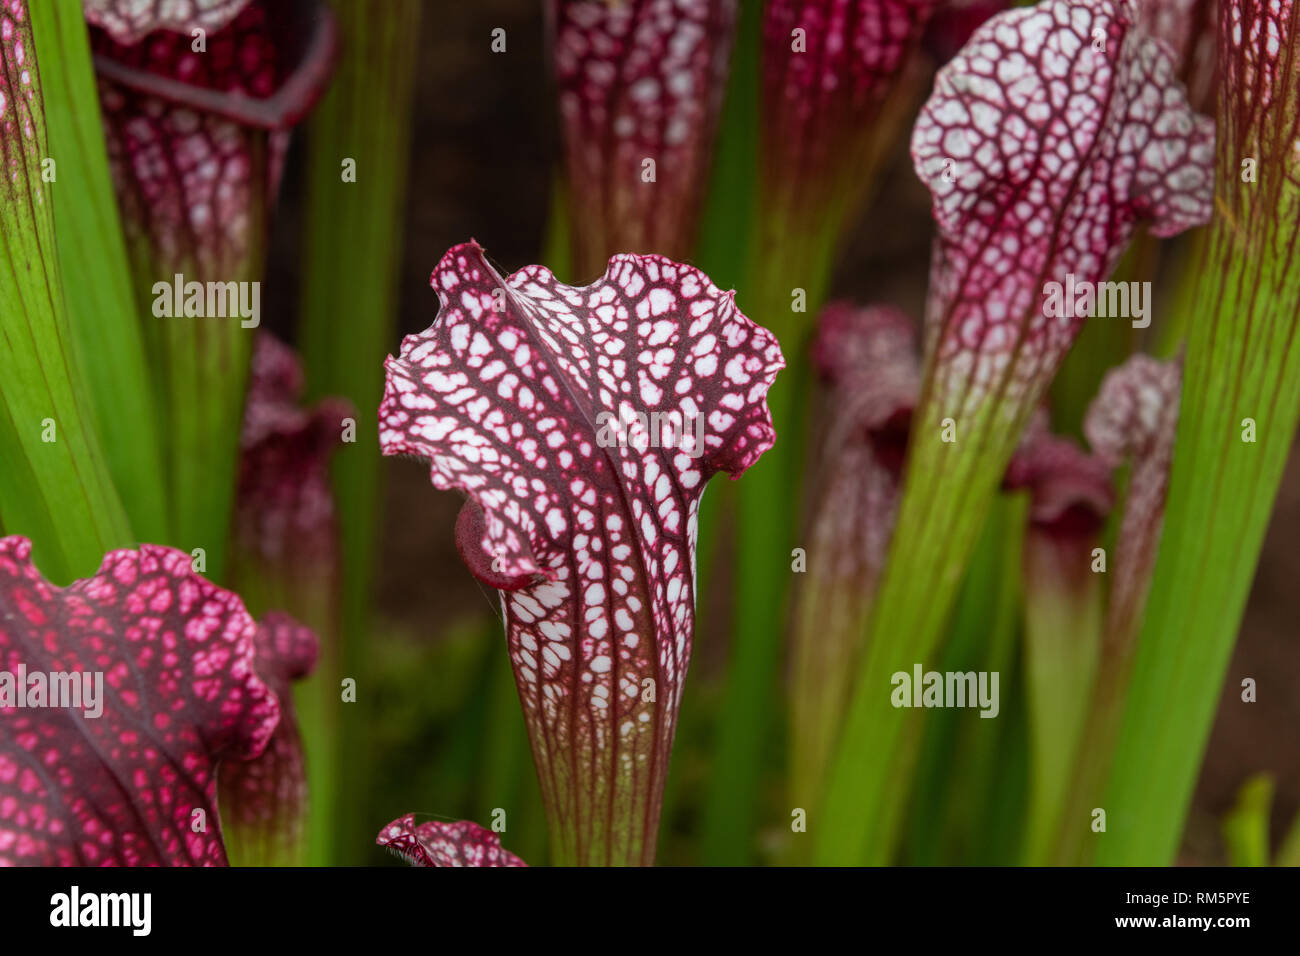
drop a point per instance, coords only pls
(54, 485)
(353, 242)
(1243, 362)
(1064, 615)
(948, 490)
(768, 508)
(1245, 827)
(725, 253)
(1288, 854)
(1241, 401)
(729, 211)
(955, 776)
(206, 371)
(101, 308)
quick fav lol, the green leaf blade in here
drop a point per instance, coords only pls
(54, 486)
(101, 307)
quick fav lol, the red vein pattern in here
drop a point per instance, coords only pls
(22, 124)
(176, 655)
(130, 20)
(638, 80)
(820, 101)
(536, 399)
(1259, 64)
(264, 800)
(1048, 137)
(445, 844)
(196, 140)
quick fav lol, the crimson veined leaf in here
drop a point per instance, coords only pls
(867, 358)
(264, 799)
(583, 424)
(640, 89)
(838, 83)
(828, 66)
(147, 677)
(1188, 28)
(1053, 132)
(131, 20)
(436, 843)
(1070, 489)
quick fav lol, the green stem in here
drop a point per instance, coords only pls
(948, 490)
(723, 251)
(306, 589)
(1183, 306)
(1237, 421)
(1245, 828)
(101, 306)
(999, 810)
(1243, 361)
(793, 228)
(768, 506)
(349, 297)
(205, 378)
(1064, 610)
(826, 641)
(1288, 854)
(959, 759)
(54, 485)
